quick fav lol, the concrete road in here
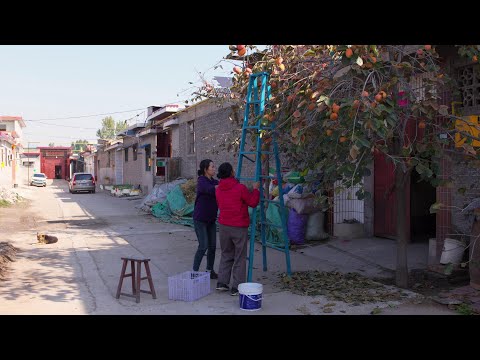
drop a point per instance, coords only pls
(79, 274)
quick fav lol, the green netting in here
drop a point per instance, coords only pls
(274, 234)
(174, 209)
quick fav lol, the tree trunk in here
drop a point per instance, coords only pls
(401, 182)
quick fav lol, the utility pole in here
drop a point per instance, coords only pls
(14, 164)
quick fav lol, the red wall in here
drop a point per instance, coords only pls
(47, 164)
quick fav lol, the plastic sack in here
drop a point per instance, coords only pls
(315, 227)
(296, 227)
(303, 206)
(177, 203)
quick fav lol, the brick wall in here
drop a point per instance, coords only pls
(104, 170)
(131, 168)
(466, 177)
(212, 126)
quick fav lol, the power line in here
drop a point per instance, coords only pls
(59, 125)
(83, 116)
(53, 136)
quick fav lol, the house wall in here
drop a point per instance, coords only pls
(5, 164)
(135, 172)
(131, 168)
(49, 158)
(467, 178)
(105, 171)
(25, 171)
(212, 127)
(90, 164)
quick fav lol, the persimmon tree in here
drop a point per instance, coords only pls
(336, 106)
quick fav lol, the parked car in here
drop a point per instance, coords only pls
(38, 179)
(82, 182)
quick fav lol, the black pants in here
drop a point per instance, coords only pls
(207, 240)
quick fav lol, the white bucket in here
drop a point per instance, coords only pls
(452, 251)
(250, 296)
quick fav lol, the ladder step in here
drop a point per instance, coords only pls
(256, 152)
(283, 249)
(246, 157)
(271, 201)
(247, 179)
(258, 127)
(254, 102)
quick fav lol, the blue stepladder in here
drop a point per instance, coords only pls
(258, 93)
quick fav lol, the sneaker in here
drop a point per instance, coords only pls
(221, 287)
(234, 291)
(213, 275)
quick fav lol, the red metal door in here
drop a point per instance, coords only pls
(385, 201)
(164, 142)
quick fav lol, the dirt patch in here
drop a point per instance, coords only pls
(8, 254)
(430, 283)
(16, 217)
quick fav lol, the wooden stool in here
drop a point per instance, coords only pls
(136, 281)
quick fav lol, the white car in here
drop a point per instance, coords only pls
(39, 179)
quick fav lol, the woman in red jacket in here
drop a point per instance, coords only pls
(233, 200)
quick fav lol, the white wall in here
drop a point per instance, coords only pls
(347, 206)
(5, 164)
(25, 171)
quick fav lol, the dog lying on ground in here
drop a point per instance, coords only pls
(46, 239)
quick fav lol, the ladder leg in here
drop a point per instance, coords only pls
(283, 214)
(253, 231)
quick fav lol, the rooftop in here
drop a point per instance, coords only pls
(13, 118)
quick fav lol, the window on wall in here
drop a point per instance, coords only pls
(134, 150)
(108, 159)
(148, 158)
(126, 154)
(468, 78)
(191, 137)
(3, 127)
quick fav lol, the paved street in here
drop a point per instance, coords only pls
(79, 274)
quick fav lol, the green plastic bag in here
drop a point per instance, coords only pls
(177, 203)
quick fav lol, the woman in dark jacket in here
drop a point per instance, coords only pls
(205, 216)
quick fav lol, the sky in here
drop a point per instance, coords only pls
(50, 82)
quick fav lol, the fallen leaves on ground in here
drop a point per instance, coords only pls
(350, 288)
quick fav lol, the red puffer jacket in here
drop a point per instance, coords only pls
(233, 200)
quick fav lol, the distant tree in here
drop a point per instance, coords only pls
(79, 145)
(110, 128)
(51, 144)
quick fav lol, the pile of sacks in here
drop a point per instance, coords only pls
(9, 195)
(305, 218)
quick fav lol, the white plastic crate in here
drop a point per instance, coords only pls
(189, 285)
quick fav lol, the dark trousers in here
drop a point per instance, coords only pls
(207, 240)
(233, 242)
